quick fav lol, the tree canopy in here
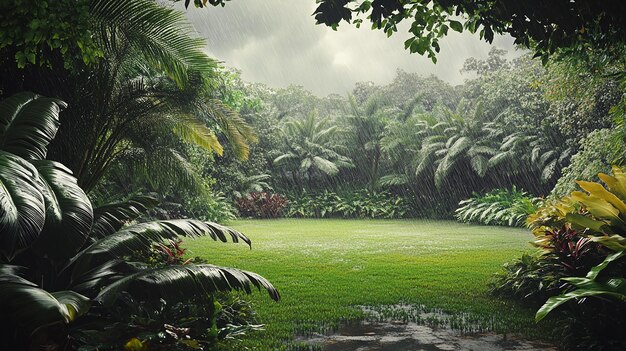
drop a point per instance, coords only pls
(544, 26)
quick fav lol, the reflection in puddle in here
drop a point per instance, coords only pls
(415, 334)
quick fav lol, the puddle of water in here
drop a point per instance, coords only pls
(425, 331)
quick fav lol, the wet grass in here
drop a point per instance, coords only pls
(324, 268)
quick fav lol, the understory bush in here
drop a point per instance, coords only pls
(598, 151)
(360, 204)
(214, 208)
(194, 323)
(498, 207)
(581, 266)
(67, 270)
(261, 205)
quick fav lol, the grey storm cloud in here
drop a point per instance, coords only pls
(276, 42)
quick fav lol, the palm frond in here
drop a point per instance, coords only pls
(140, 237)
(161, 35)
(461, 144)
(238, 132)
(394, 179)
(481, 150)
(111, 217)
(283, 158)
(500, 158)
(166, 166)
(549, 170)
(480, 165)
(443, 170)
(196, 132)
(178, 283)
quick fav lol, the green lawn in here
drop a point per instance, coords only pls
(324, 267)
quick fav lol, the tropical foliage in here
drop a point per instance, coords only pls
(582, 266)
(537, 25)
(363, 204)
(311, 149)
(418, 138)
(261, 205)
(155, 129)
(598, 151)
(498, 207)
(134, 110)
(62, 259)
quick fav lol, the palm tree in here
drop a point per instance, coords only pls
(253, 183)
(59, 257)
(366, 125)
(454, 140)
(547, 153)
(311, 146)
(154, 74)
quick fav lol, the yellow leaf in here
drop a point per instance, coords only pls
(599, 191)
(614, 242)
(135, 344)
(616, 185)
(596, 206)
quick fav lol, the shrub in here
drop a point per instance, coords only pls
(196, 323)
(598, 151)
(498, 207)
(531, 278)
(583, 244)
(360, 204)
(564, 252)
(209, 206)
(214, 208)
(261, 205)
(63, 261)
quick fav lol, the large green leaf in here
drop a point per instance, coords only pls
(28, 122)
(22, 207)
(587, 287)
(593, 273)
(141, 237)
(29, 307)
(614, 242)
(324, 165)
(612, 288)
(111, 217)
(238, 132)
(69, 215)
(178, 283)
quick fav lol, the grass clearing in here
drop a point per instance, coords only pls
(323, 268)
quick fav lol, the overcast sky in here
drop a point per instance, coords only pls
(276, 42)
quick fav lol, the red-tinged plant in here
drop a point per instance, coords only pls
(171, 252)
(261, 205)
(569, 248)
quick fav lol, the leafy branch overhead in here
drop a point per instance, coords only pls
(544, 26)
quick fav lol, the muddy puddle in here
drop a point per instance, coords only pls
(426, 331)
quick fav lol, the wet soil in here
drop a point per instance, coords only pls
(402, 335)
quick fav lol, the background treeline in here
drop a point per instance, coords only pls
(513, 123)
